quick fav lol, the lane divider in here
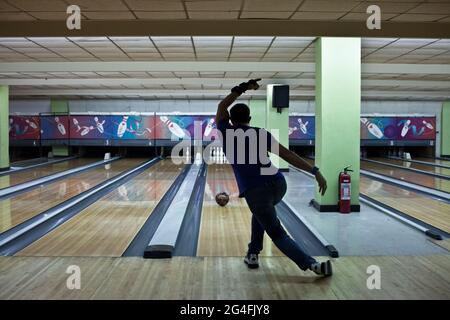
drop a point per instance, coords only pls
(431, 192)
(20, 169)
(8, 192)
(436, 175)
(163, 241)
(421, 162)
(138, 245)
(428, 230)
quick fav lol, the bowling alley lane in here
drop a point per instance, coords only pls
(24, 206)
(24, 176)
(225, 231)
(421, 207)
(415, 165)
(107, 227)
(408, 176)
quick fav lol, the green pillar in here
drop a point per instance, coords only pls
(4, 128)
(338, 109)
(445, 129)
(277, 124)
(258, 113)
(60, 106)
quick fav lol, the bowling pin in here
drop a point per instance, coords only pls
(373, 128)
(122, 127)
(75, 122)
(99, 125)
(292, 130)
(405, 128)
(428, 125)
(86, 130)
(209, 127)
(34, 126)
(303, 126)
(173, 127)
(60, 126)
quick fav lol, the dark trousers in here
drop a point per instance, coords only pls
(261, 201)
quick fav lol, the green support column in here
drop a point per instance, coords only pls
(4, 128)
(445, 129)
(338, 109)
(278, 125)
(258, 113)
(60, 106)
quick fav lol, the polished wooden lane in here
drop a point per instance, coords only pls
(414, 165)
(225, 231)
(402, 277)
(24, 206)
(421, 207)
(107, 227)
(408, 176)
(436, 161)
(15, 178)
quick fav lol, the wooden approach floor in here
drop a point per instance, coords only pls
(405, 277)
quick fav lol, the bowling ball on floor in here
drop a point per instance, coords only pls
(222, 199)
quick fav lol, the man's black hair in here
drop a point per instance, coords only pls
(240, 113)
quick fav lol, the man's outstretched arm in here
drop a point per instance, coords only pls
(298, 162)
(222, 110)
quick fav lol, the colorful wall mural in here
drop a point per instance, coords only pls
(178, 127)
(302, 127)
(24, 128)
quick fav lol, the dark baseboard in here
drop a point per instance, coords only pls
(5, 169)
(284, 170)
(333, 208)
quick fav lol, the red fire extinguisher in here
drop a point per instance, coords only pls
(344, 190)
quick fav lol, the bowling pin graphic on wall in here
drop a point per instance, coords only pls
(405, 128)
(122, 127)
(292, 130)
(373, 128)
(31, 124)
(174, 128)
(209, 127)
(428, 125)
(99, 125)
(303, 125)
(60, 126)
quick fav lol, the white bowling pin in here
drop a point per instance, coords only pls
(428, 125)
(86, 130)
(373, 128)
(60, 126)
(303, 125)
(99, 125)
(209, 127)
(122, 127)
(31, 123)
(405, 128)
(292, 130)
(75, 122)
(173, 127)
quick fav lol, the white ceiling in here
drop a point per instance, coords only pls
(399, 83)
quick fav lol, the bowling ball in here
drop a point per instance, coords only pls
(390, 131)
(222, 199)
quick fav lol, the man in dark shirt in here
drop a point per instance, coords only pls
(259, 182)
